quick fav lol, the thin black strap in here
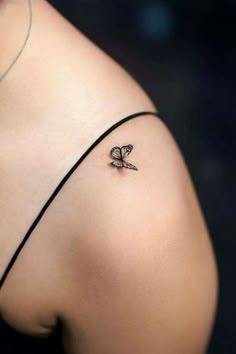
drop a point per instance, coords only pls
(63, 181)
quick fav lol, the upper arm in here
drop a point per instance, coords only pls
(142, 274)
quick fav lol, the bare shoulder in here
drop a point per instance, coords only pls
(137, 273)
(142, 271)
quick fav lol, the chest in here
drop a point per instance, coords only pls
(27, 179)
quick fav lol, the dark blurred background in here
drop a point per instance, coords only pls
(183, 53)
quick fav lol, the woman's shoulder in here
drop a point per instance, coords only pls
(139, 247)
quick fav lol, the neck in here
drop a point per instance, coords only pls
(13, 27)
(43, 76)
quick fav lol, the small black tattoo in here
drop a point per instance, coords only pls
(119, 154)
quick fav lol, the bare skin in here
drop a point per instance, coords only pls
(123, 258)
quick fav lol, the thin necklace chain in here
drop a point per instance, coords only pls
(2, 76)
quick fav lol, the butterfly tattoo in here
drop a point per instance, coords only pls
(119, 155)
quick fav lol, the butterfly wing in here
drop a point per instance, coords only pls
(126, 150)
(129, 165)
(117, 163)
(116, 152)
(119, 154)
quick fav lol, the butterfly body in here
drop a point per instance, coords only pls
(119, 155)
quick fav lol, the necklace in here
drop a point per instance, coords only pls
(2, 76)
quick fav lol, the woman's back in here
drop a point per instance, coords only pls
(122, 258)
